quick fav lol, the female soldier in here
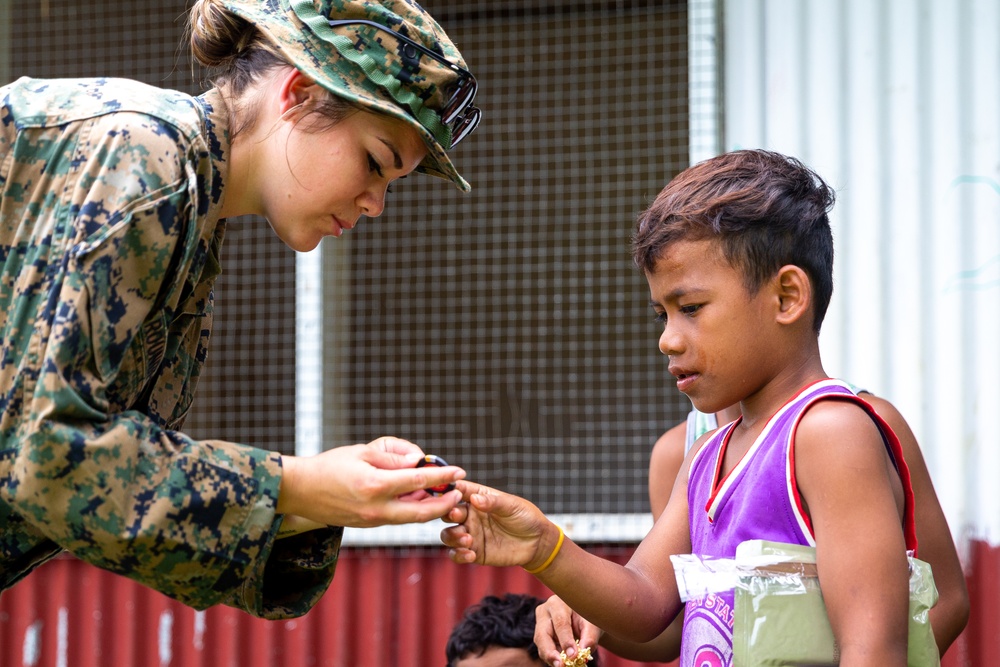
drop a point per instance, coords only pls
(113, 200)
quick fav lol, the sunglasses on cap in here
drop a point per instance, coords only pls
(458, 113)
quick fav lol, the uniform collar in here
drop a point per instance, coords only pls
(216, 124)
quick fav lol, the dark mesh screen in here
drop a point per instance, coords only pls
(507, 330)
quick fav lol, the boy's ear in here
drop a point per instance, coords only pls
(794, 292)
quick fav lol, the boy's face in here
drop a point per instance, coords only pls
(715, 332)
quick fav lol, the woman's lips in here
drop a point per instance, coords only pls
(339, 226)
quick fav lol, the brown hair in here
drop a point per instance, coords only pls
(765, 209)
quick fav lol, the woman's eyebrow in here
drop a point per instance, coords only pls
(397, 161)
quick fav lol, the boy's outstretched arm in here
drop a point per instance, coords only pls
(854, 498)
(936, 544)
(635, 601)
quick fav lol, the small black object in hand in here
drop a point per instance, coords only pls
(432, 460)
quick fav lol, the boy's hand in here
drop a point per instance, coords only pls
(496, 528)
(556, 629)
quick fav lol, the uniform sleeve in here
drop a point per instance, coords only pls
(94, 471)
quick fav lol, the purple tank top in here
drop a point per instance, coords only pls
(757, 500)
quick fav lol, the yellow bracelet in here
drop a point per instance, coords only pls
(552, 556)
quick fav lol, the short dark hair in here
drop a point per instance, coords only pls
(508, 622)
(765, 209)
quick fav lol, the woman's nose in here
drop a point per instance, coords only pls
(372, 201)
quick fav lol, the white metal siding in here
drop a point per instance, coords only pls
(896, 103)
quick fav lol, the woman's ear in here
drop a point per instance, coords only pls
(294, 90)
(794, 292)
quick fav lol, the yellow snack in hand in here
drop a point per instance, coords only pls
(582, 657)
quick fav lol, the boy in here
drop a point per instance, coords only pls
(738, 255)
(937, 548)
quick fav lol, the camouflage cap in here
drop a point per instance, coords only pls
(364, 64)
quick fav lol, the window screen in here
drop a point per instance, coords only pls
(507, 329)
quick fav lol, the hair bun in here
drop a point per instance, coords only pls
(218, 37)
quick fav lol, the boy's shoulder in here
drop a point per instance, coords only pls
(844, 449)
(832, 419)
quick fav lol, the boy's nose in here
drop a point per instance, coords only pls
(670, 343)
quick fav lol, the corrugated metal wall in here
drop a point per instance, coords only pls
(385, 607)
(897, 105)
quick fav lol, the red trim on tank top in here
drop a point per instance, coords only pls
(718, 483)
(895, 450)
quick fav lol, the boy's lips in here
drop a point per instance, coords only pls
(685, 378)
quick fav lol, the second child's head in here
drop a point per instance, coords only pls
(497, 631)
(764, 210)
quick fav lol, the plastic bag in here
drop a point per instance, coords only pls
(780, 619)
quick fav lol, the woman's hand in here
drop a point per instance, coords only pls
(365, 485)
(497, 528)
(557, 628)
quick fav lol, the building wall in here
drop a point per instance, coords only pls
(896, 104)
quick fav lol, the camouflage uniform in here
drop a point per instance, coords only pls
(110, 237)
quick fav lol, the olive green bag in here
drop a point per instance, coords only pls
(780, 617)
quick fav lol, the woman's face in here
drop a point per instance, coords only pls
(313, 184)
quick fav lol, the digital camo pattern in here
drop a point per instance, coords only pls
(110, 239)
(367, 65)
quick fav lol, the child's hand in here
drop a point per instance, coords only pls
(556, 629)
(496, 528)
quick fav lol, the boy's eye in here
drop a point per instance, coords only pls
(660, 317)
(690, 310)
(373, 165)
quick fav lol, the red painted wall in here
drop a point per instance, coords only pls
(386, 607)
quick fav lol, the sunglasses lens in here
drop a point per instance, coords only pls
(465, 92)
(465, 125)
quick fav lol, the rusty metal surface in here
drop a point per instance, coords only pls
(387, 606)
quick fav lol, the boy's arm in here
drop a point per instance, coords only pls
(665, 648)
(854, 498)
(664, 463)
(636, 601)
(554, 616)
(936, 545)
